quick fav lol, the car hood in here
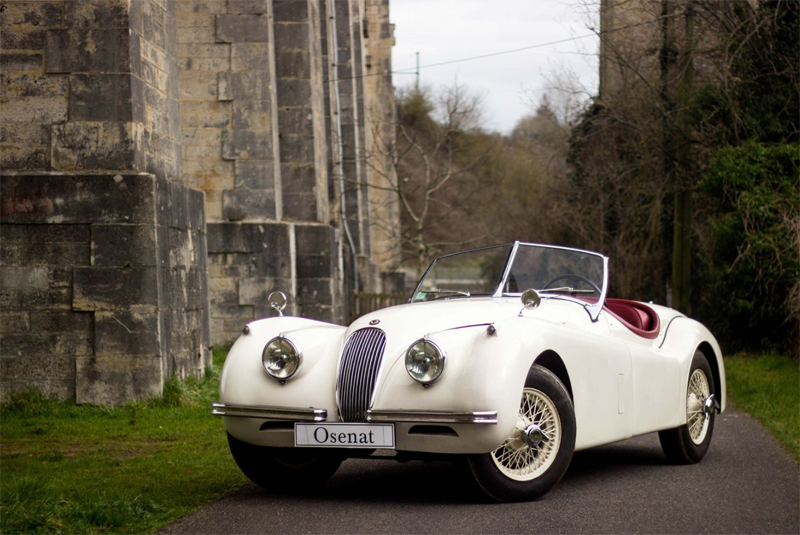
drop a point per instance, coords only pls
(418, 319)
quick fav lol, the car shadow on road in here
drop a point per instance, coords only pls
(386, 481)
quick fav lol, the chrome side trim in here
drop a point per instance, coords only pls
(297, 414)
(433, 417)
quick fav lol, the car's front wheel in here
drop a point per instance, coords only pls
(284, 468)
(536, 455)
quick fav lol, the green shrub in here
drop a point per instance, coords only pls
(752, 282)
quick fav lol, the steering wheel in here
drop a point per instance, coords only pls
(574, 277)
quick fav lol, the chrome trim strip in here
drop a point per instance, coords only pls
(433, 417)
(297, 414)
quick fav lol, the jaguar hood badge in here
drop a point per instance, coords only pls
(374, 322)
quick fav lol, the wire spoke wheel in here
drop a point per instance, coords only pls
(696, 418)
(523, 460)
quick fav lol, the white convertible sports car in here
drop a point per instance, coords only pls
(508, 357)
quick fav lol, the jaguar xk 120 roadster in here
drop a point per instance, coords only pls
(509, 357)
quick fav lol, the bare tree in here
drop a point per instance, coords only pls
(438, 168)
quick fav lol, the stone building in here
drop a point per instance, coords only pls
(168, 163)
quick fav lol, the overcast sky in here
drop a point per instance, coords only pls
(512, 84)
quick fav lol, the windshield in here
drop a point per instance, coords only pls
(470, 273)
(565, 272)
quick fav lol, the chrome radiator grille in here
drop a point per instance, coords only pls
(358, 371)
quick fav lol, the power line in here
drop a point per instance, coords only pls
(594, 33)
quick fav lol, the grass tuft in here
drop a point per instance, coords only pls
(132, 469)
(768, 388)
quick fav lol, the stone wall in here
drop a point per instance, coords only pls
(168, 163)
(103, 256)
(262, 143)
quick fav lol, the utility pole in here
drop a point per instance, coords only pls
(417, 84)
(682, 222)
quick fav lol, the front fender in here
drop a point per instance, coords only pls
(245, 382)
(684, 336)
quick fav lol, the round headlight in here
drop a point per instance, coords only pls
(425, 362)
(281, 358)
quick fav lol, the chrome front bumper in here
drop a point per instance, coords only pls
(310, 414)
(295, 414)
(433, 417)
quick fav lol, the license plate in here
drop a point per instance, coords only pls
(344, 435)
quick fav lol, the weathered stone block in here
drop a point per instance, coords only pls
(205, 114)
(296, 121)
(315, 291)
(38, 367)
(254, 174)
(242, 28)
(246, 144)
(100, 97)
(87, 50)
(249, 85)
(35, 110)
(126, 333)
(22, 41)
(24, 158)
(27, 298)
(123, 245)
(313, 240)
(51, 388)
(298, 178)
(252, 115)
(34, 253)
(20, 61)
(200, 6)
(97, 14)
(293, 64)
(52, 344)
(290, 11)
(33, 85)
(294, 93)
(247, 6)
(314, 266)
(241, 203)
(14, 322)
(31, 15)
(56, 321)
(100, 145)
(287, 36)
(300, 206)
(250, 56)
(297, 149)
(29, 135)
(25, 277)
(114, 288)
(116, 380)
(77, 199)
(198, 86)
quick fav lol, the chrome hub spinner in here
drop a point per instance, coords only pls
(534, 436)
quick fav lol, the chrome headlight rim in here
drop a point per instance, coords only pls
(439, 351)
(295, 348)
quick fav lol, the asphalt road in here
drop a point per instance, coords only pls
(746, 484)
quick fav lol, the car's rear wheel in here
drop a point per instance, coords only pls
(536, 455)
(284, 468)
(689, 443)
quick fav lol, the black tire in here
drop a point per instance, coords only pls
(502, 488)
(284, 468)
(677, 443)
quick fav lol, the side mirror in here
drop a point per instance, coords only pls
(530, 299)
(277, 300)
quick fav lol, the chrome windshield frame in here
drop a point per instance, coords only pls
(505, 272)
(593, 309)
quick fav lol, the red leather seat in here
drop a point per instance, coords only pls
(638, 318)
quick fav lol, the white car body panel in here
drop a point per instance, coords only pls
(622, 384)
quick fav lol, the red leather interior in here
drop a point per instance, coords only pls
(637, 317)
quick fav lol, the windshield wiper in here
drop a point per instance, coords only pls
(459, 292)
(567, 289)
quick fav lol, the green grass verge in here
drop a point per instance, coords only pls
(132, 469)
(768, 388)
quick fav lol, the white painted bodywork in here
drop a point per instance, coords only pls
(622, 384)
